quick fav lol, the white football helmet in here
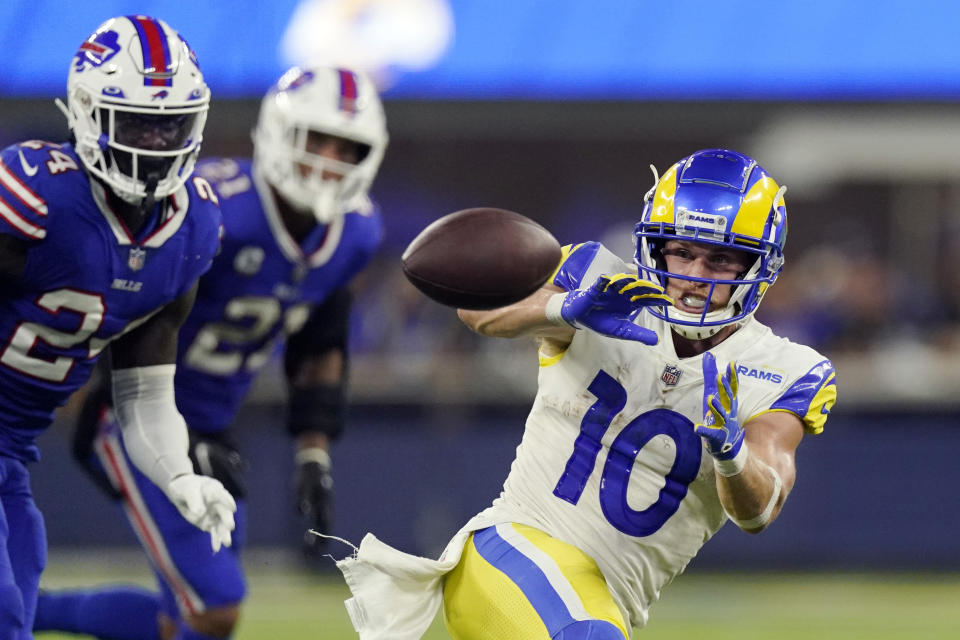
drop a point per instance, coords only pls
(329, 101)
(137, 103)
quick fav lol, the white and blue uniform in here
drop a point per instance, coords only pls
(611, 493)
(87, 281)
(261, 288)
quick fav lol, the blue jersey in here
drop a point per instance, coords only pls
(261, 288)
(87, 279)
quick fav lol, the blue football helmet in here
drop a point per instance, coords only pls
(722, 198)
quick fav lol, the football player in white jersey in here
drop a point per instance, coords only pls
(649, 430)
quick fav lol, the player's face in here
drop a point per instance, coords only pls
(687, 258)
(152, 131)
(331, 148)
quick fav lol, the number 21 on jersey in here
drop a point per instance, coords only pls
(611, 398)
(223, 348)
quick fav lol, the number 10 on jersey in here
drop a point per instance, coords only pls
(615, 478)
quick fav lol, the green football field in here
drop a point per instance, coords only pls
(287, 604)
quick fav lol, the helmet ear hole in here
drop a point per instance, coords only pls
(83, 100)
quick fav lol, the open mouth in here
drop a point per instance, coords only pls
(690, 303)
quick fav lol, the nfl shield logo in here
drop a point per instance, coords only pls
(670, 375)
(136, 259)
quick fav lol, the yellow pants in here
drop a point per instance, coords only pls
(515, 582)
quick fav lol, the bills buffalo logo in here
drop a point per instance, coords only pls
(160, 95)
(671, 375)
(97, 50)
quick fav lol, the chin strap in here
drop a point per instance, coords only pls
(326, 202)
(151, 188)
(699, 332)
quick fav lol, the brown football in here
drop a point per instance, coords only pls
(481, 258)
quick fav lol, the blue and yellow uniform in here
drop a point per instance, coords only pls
(611, 493)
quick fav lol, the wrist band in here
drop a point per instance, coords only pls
(552, 310)
(764, 517)
(734, 465)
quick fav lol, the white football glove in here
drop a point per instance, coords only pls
(204, 503)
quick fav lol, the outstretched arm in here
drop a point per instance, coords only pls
(525, 318)
(608, 307)
(154, 432)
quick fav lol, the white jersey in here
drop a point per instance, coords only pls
(609, 460)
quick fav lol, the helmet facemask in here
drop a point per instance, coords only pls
(140, 152)
(760, 231)
(313, 181)
(745, 289)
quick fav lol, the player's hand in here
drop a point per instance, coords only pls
(314, 487)
(720, 427)
(610, 305)
(204, 503)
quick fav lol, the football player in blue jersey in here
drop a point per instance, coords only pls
(102, 241)
(298, 225)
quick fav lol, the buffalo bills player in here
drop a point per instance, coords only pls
(298, 226)
(102, 241)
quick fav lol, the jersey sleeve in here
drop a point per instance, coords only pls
(204, 240)
(23, 212)
(581, 264)
(327, 328)
(811, 397)
(365, 237)
(229, 177)
(373, 233)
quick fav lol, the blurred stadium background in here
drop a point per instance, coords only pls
(555, 109)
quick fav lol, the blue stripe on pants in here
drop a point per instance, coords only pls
(527, 576)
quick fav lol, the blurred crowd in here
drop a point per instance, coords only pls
(894, 333)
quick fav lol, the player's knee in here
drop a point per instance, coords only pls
(12, 613)
(590, 630)
(217, 622)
